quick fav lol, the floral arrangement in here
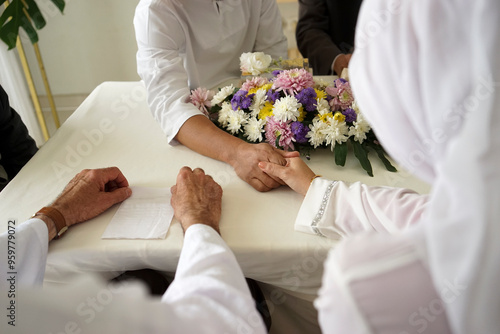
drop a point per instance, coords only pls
(290, 111)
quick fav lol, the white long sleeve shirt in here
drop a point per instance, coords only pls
(376, 280)
(209, 293)
(187, 44)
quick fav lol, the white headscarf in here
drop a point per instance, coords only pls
(426, 74)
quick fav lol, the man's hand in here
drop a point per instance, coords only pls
(196, 199)
(90, 193)
(296, 174)
(246, 163)
(341, 62)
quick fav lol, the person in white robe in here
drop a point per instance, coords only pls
(183, 45)
(208, 295)
(426, 75)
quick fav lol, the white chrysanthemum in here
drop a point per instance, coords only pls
(222, 94)
(224, 114)
(254, 129)
(316, 136)
(254, 62)
(359, 129)
(286, 109)
(322, 106)
(259, 100)
(236, 119)
(335, 132)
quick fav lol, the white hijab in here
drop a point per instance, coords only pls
(426, 74)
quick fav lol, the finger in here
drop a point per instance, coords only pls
(258, 185)
(119, 195)
(272, 169)
(268, 181)
(198, 171)
(173, 189)
(292, 154)
(113, 174)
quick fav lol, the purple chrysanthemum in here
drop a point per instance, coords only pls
(300, 131)
(307, 97)
(272, 96)
(241, 100)
(350, 115)
(276, 72)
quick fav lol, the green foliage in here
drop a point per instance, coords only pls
(361, 152)
(23, 14)
(340, 151)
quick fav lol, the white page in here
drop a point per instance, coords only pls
(146, 214)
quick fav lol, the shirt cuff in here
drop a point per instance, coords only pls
(313, 213)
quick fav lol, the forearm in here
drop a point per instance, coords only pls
(336, 209)
(202, 136)
(209, 277)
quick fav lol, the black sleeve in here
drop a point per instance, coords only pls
(16, 145)
(326, 29)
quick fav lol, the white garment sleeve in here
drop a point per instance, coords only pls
(159, 37)
(23, 253)
(336, 209)
(209, 287)
(270, 38)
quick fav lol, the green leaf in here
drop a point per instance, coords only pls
(59, 4)
(340, 151)
(361, 153)
(277, 143)
(22, 14)
(381, 154)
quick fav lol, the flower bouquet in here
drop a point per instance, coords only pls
(290, 111)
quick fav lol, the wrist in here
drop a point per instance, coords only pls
(186, 226)
(230, 156)
(56, 224)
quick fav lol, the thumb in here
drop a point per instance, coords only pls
(271, 169)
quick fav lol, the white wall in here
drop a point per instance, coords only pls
(93, 41)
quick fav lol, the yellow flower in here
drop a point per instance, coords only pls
(320, 94)
(325, 117)
(266, 111)
(339, 117)
(265, 87)
(302, 114)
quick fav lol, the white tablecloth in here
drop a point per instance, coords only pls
(113, 127)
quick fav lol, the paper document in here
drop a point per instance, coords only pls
(146, 214)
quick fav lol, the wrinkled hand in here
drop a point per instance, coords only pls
(246, 163)
(90, 193)
(341, 62)
(196, 199)
(296, 174)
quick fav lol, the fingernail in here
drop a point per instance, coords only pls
(261, 164)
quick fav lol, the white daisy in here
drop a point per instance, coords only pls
(224, 114)
(359, 129)
(322, 106)
(316, 136)
(222, 94)
(286, 109)
(254, 129)
(236, 119)
(335, 132)
(258, 102)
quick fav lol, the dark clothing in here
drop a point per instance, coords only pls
(325, 30)
(16, 145)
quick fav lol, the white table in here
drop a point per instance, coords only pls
(113, 127)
